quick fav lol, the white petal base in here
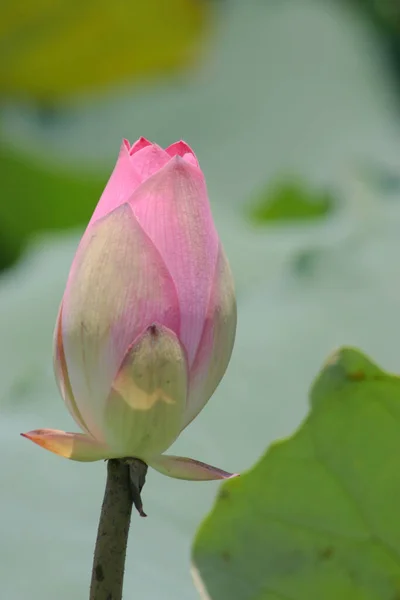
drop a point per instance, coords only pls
(190, 469)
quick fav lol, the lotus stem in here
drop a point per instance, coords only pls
(125, 480)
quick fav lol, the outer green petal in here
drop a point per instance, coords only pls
(144, 411)
(62, 378)
(118, 286)
(190, 469)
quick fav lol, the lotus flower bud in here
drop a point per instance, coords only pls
(147, 322)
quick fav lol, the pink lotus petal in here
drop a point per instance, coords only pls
(189, 469)
(144, 411)
(184, 150)
(138, 145)
(149, 160)
(215, 348)
(75, 446)
(122, 183)
(173, 209)
(118, 286)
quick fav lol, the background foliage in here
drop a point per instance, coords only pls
(317, 516)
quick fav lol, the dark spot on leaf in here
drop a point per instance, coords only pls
(99, 573)
(356, 376)
(226, 557)
(326, 553)
(224, 494)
